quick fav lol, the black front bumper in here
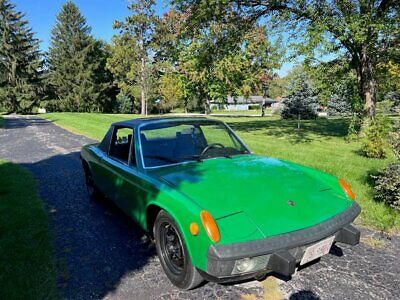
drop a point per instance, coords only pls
(281, 253)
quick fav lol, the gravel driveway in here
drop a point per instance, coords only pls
(102, 254)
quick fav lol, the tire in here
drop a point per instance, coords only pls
(173, 254)
(93, 191)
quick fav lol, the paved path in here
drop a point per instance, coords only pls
(102, 254)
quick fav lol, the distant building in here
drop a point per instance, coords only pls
(242, 103)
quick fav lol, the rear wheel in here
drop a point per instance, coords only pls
(174, 257)
(92, 190)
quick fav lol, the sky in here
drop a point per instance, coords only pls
(99, 14)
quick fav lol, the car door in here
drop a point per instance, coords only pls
(99, 169)
(128, 191)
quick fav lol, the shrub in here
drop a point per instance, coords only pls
(354, 127)
(385, 107)
(374, 138)
(387, 185)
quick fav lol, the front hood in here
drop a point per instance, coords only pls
(253, 197)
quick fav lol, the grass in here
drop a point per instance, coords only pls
(373, 242)
(1, 121)
(91, 125)
(271, 288)
(27, 269)
(320, 144)
(250, 112)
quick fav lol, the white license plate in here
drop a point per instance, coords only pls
(317, 250)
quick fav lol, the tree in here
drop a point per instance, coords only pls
(366, 30)
(340, 102)
(301, 101)
(76, 60)
(172, 89)
(276, 88)
(140, 26)
(389, 84)
(20, 61)
(327, 77)
(123, 63)
(211, 69)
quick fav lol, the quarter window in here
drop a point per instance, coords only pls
(121, 145)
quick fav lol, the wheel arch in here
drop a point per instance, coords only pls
(152, 211)
(151, 215)
(85, 165)
(182, 219)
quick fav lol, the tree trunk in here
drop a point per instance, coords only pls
(366, 84)
(207, 107)
(142, 88)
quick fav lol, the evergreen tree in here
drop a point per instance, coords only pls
(20, 61)
(301, 102)
(339, 106)
(340, 102)
(76, 63)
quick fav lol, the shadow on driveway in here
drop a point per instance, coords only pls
(96, 243)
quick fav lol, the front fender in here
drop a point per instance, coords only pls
(184, 212)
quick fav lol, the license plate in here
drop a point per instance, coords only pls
(317, 250)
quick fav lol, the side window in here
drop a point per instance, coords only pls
(121, 143)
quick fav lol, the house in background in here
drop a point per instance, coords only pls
(242, 103)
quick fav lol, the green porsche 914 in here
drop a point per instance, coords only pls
(216, 211)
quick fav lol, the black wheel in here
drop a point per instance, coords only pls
(92, 190)
(174, 257)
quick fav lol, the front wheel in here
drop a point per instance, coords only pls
(174, 257)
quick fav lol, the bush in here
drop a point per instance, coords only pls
(385, 107)
(395, 140)
(387, 185)
(374, 138)
(354, 127)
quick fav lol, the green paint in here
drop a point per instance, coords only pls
(248, 195)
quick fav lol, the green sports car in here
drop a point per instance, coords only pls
(216, 211)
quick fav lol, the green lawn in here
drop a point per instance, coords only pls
(250, 112)
(27, 268)
(320, 144)
(91, 125)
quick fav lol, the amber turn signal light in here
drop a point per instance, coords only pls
(347, 189)
(210, 226)
(194, 228)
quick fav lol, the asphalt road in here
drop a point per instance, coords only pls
(102, 254)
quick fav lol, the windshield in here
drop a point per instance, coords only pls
(177, 142)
